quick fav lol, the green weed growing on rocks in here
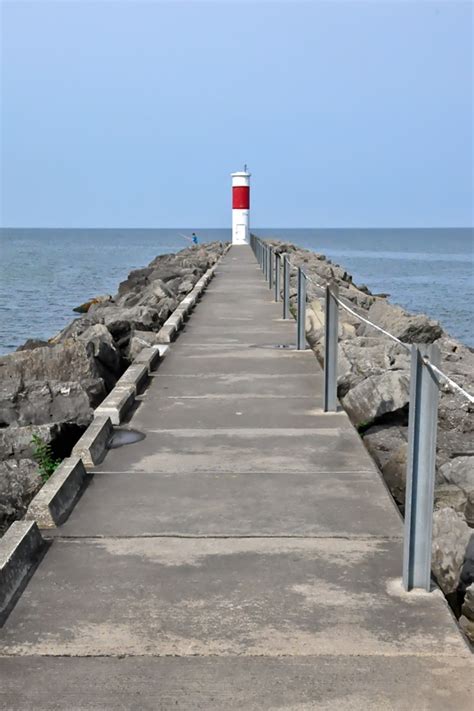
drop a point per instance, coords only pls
(43, 455)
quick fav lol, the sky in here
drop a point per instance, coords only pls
(131, 113)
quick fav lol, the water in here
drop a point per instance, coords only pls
(45, 273)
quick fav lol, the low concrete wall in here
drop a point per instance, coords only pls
(55, 500)
(20, 549)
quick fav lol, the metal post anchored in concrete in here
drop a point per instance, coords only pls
(270, 268)
(277, 276)
(424, 396)
(265, 260)
(330, 348)
(286, 287)
(301, 313)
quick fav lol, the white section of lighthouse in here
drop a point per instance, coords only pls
(240, 207)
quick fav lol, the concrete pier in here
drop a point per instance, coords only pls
(244, 555)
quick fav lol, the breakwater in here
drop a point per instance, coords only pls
(49, 389)
(373, 387)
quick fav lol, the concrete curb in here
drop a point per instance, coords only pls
(151, 356)
(92, 446)
(171, 326)
(135, 376)
(55, 500)
(117, 403)
(20, 550)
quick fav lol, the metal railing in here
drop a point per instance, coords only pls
(425, 381)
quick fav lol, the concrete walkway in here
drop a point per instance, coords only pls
(245, 555)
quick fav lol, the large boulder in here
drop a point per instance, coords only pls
(377, 395)
(16, 442)
(362, 357)
(19, 482)
(450, 496)
(466, 620)
(460, 472)
(101, 347)
(39, 402)
(409, 328)
(451, 536)
(60, 382)
(140, 340)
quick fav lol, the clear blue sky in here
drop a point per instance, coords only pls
(133, 113)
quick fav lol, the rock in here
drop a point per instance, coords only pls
(101, 346)
(467, 570)
(16, 442)
(31, 343)
(467, 626)
(395, 473)
(140, 340)
(377, 395)
(41, 402)
(469, 510)
(53, 367)
(450, 496)
(361, 357)
(459, 471)
(468, 604)
(84, 308)
(451, 535)
(383, 440)
(19, 482)
(409, 328)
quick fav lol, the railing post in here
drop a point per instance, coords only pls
(421, 456)
(270, 268)
(286, 287)
(331, 327)
(301, 313)
(265, 251)
(277, 276)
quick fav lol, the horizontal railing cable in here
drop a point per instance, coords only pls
(451, 382)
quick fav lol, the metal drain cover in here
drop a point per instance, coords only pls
(122, 436)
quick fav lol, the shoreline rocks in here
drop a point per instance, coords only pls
(52, 388)
(373, 387)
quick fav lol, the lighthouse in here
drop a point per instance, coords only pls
(240, 207)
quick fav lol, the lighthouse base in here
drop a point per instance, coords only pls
(240, 227)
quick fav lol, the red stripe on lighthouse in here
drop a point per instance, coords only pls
(240, 197)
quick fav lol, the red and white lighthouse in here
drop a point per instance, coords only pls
(240, 207)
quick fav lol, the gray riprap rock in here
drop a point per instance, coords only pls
(19, 482)
(451, 535)
(468, 605)
(377, 395)
(450, 496)
(395, 472)
(361, 357)
(102, 348)
(140, 340)
(57, 363)
(58, 383)
(39, 403)
(383, 440)
(15, 442)
(409, 328)
(459, 471)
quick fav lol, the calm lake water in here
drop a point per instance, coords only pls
(44, 273)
